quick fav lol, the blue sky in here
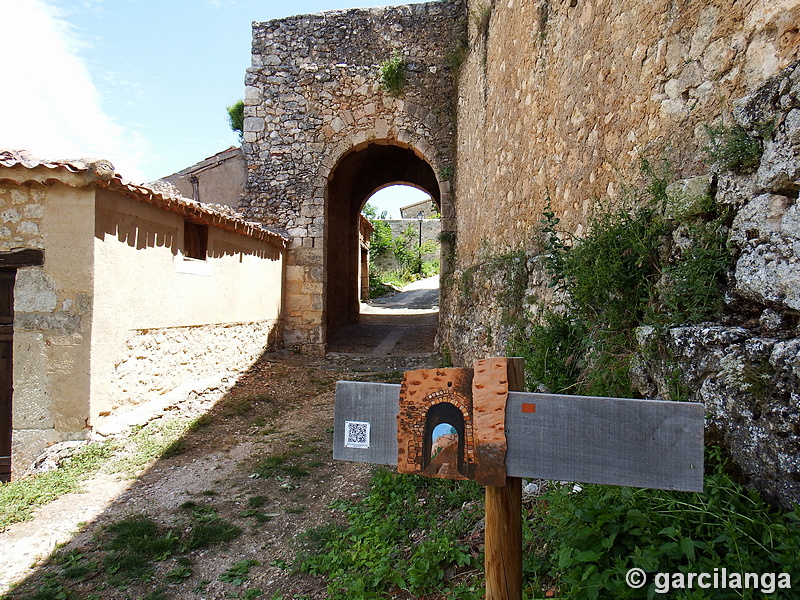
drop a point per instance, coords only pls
(143, 83)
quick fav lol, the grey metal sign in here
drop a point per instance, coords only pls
(616, 441)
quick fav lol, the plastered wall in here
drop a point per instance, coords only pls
(53, 310)
(160, 319)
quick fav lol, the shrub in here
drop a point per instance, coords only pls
(393, 74)
(733, 148)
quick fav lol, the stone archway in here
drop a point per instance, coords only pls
(353, 180)
(321, 134)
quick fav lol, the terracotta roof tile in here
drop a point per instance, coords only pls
(101, 173)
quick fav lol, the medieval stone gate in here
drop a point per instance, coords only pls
(321, 136)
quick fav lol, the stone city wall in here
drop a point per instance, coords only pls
(565, 96)
(744, 366)
(313, 96)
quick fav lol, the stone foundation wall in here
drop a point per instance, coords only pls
(152, 362)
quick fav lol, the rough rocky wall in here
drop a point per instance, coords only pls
(313, 96)
(746, 366)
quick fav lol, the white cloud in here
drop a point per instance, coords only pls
(49, 103)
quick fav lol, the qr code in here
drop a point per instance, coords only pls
(356, 434)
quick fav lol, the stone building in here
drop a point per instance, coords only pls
(113, 294)
(321, 135)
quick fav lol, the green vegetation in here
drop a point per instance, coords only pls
(734, 149)
(403, 535)
(19, 498)
(393, 74)
(593, 537)
(404, 249)
(130, 551)
(236, 118)
(624, 274)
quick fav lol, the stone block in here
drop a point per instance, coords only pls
(35, 291)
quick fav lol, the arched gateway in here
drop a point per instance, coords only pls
(321, 135)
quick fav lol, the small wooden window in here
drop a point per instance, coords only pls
(195, 240)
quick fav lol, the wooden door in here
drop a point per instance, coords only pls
(6, 368)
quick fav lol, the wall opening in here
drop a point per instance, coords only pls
(443, 442)
(405, 246)
(357, 176)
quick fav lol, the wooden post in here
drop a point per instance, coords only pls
(503, 533)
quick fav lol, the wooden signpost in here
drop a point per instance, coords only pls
(475, 424)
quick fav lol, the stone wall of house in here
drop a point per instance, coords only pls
(154, 362)
(312, 97)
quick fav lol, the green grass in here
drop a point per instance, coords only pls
(375, 551)
(19, 498)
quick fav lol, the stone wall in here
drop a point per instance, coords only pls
(156, 361)
(565, 96)
(745, 367)
(431, 228)
(313, 99)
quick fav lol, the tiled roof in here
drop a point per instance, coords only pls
(100, 173)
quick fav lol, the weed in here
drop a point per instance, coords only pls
(200, 422)
(201, 586)
(733, 148)
(133, 544)
(238, 407)
(238, 573)
(295, 510)
(178, 574)
(596, 535)
(393, 74)
(258, 515)
(257, 501)
(159, 438)
(277, 465)
(374, 552)
(211, 532)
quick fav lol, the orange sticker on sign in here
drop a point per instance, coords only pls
(528, 408)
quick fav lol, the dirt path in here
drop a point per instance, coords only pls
(283, 407)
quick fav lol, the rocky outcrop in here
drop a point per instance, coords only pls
(746, 368)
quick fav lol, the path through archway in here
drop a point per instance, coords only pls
(358, 175)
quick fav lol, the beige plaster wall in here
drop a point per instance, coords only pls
(161, 319)
(565, 96)
(52, 314)
(220, 179)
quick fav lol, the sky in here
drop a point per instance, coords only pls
(142, 83)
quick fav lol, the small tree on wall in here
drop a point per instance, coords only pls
(236, 118)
